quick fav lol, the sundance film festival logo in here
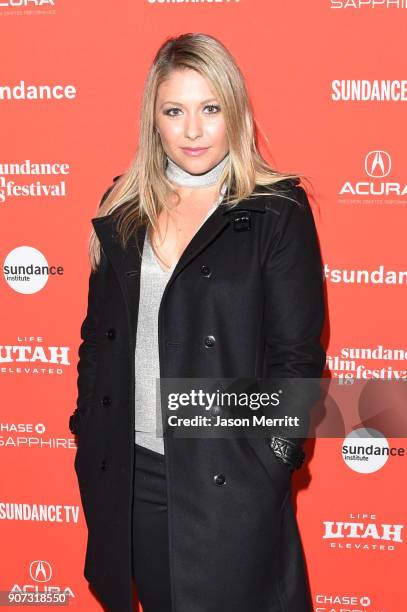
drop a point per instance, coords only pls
(345, 364)
(30, 183)
(376, 188)
(27, 271)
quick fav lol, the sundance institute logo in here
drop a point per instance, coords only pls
(366, 450)
(27, 271)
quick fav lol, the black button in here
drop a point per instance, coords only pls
(219, 480)
(106, 401)
(205, 271)
(111, 333)
(209, 341)
(241, 222)
(103, 464)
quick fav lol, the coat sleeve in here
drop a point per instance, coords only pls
(294, 308)
(87, 352)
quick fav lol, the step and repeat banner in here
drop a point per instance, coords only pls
(328, 83)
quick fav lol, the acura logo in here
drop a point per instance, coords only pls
(377, 164)
(40, 571)
(377, 187)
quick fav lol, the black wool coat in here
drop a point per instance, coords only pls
(234, 547)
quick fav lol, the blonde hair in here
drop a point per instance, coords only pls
(139, 195)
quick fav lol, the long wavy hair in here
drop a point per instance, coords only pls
(137, 196)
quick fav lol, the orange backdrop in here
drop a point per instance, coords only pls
(299, 60)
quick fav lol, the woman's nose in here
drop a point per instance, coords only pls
(193, 127)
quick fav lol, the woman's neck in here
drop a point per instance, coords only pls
(184, 179)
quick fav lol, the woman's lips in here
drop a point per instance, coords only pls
(194, 151)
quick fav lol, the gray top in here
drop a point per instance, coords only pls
(153, 279)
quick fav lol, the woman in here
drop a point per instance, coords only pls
(205, 264)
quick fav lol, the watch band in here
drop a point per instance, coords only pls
(289, 452)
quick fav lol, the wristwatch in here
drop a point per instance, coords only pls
(287, 451)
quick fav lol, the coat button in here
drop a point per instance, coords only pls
(103, 464)
(106, 401)
(209, 341)
(219, 480)
(205, 271)
(111, 333)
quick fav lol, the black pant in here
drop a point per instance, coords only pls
(150, 532)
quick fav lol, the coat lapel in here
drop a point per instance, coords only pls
(127, 262)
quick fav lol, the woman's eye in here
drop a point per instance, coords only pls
(170, 113)
(213, 106)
